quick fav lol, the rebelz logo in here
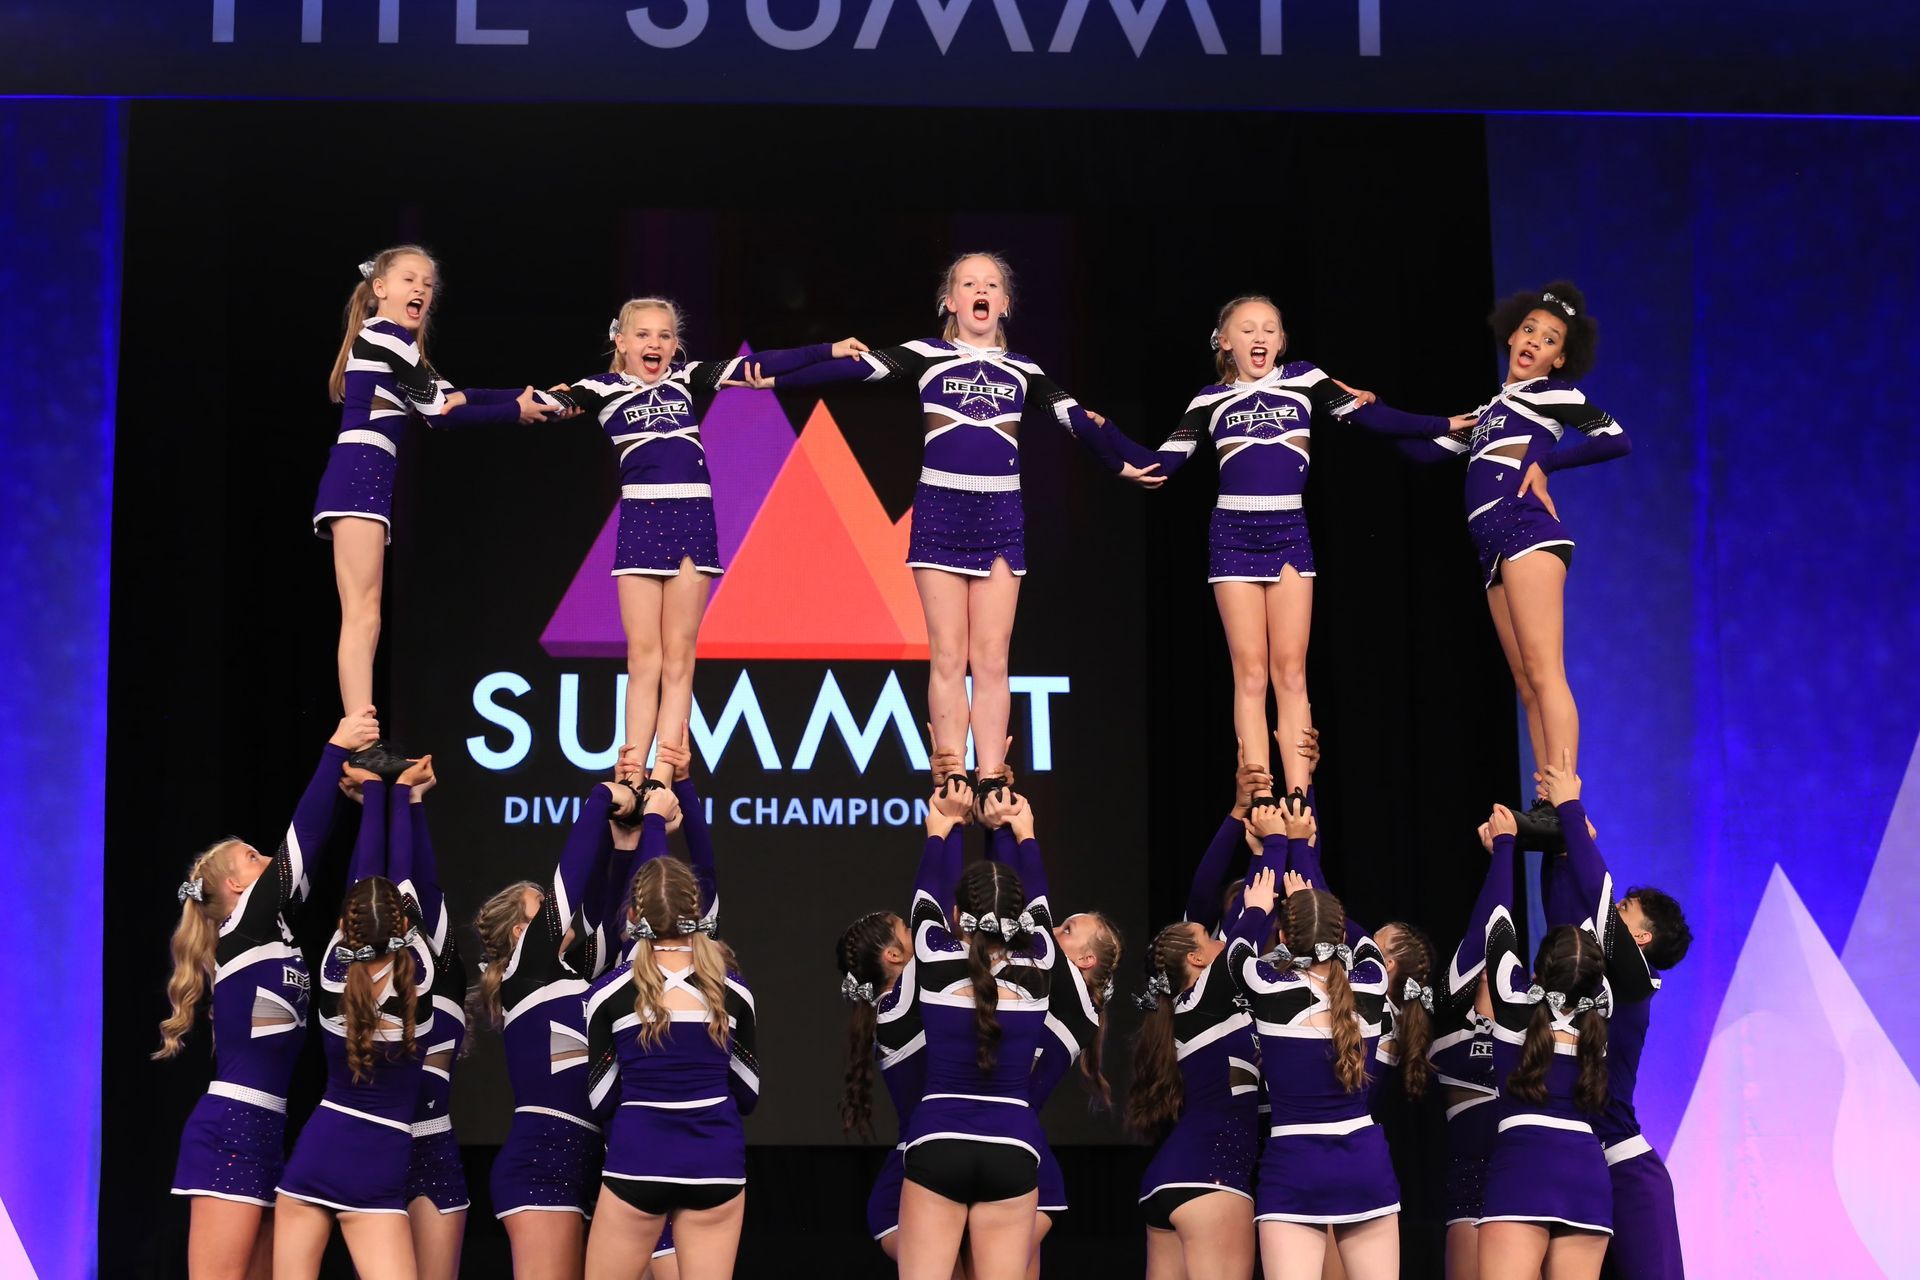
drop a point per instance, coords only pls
(1260, 414)
(655, 407)
(816, 571)
(979, 389)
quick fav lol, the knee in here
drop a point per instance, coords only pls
(1250, 679)
(1542, 667)
(947, 661)
(643, 657)
(988, 663)
(676, 664)
(1290, 673)
(361, 623)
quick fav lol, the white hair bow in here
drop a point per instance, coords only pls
(195, 888)
(366, 269)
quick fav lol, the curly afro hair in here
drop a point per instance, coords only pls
(1582, 333)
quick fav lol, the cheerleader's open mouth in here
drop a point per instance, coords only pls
(981, 308)
(416, 308)
(1257, 354)
(1523, 359)
(651, 362)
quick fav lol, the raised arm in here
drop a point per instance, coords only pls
(1597, 438)
(584, 857)
(942, 857)
(606, 1001)
(370, 846)
(319, 805)
(1496, 891)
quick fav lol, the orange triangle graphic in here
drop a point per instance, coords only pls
(821, 572)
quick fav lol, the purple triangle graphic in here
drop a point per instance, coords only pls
(747, 439)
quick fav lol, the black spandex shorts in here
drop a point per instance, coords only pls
(1158, 1208)
(1560, 549)
(662, 1198)
(968, 1172)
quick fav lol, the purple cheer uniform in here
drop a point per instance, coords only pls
(1546, 1166)
(1325, 1161)
(900, 1042)
(434, 1170)
(1258, 526)
(356, 1149)
(666, 493)
(388, 383)
(1646, 1234)
(551, 1159)
(966, 511)
(978, 1121)
(673, 1110)
(1462, 1056)
(233, 1145)
(1534, 416)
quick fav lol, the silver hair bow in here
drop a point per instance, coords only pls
(1564, 306)
(366, 269)
(1325, 951)
(642, 928)
(613, 329)
(1106, 992)
(970, 923)
(195, 888)
(1282, 957)
(1414, 991)
(1157, 985)
(347, 955)
(1213, 340)
(1022, 923)
(411, 936)
(684, 925)
(854, 990)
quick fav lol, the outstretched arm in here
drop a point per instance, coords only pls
(869, 366)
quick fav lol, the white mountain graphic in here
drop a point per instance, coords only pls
(1795, 1157)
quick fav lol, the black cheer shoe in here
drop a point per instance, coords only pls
(381, 758)
(1539, 828)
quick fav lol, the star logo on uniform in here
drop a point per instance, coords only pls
(979, 389)
(650, 406)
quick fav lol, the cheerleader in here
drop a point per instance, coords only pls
(1550, 342)
(540, 951)
(1641, 934)
(381, 378)
(671, 1071)
(967, 549)
(1318, 1005)
(437, 1199)
(1196, 1088)
(650, 404)
(1548, 1205)
(1260, 556)
(973, 1143)
(1085, 953)
(352, 1158)
(878, 978)
(1461, 1056)
(233, 946)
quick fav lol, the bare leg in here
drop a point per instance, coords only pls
(890, 1245)
(991, 602)
(642, 601)
(1216, 1235)
(1463, 1251)
(437, 1238)
(1332, 1267)
(547, 1246)
(1529, 701)
(1000, 1237)
(1512, 1250)
(1165, 1261)
(943, 598)
(665, 1266)
(931, 1228)
(1575, 1255)
(683, 604)
(223, 1238)
(380, 1244)
(1370, 1250)
(706, 1241)
(300, 1232)
(1289, 604)
(623, 1238)
(1292, 1250)
(1536, 586)
(1042, 1223)
(1243, 615)
(359, 568)
(261, 1268)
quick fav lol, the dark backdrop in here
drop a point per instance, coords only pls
(243, 224)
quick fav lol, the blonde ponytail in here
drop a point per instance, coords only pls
(195, 939)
